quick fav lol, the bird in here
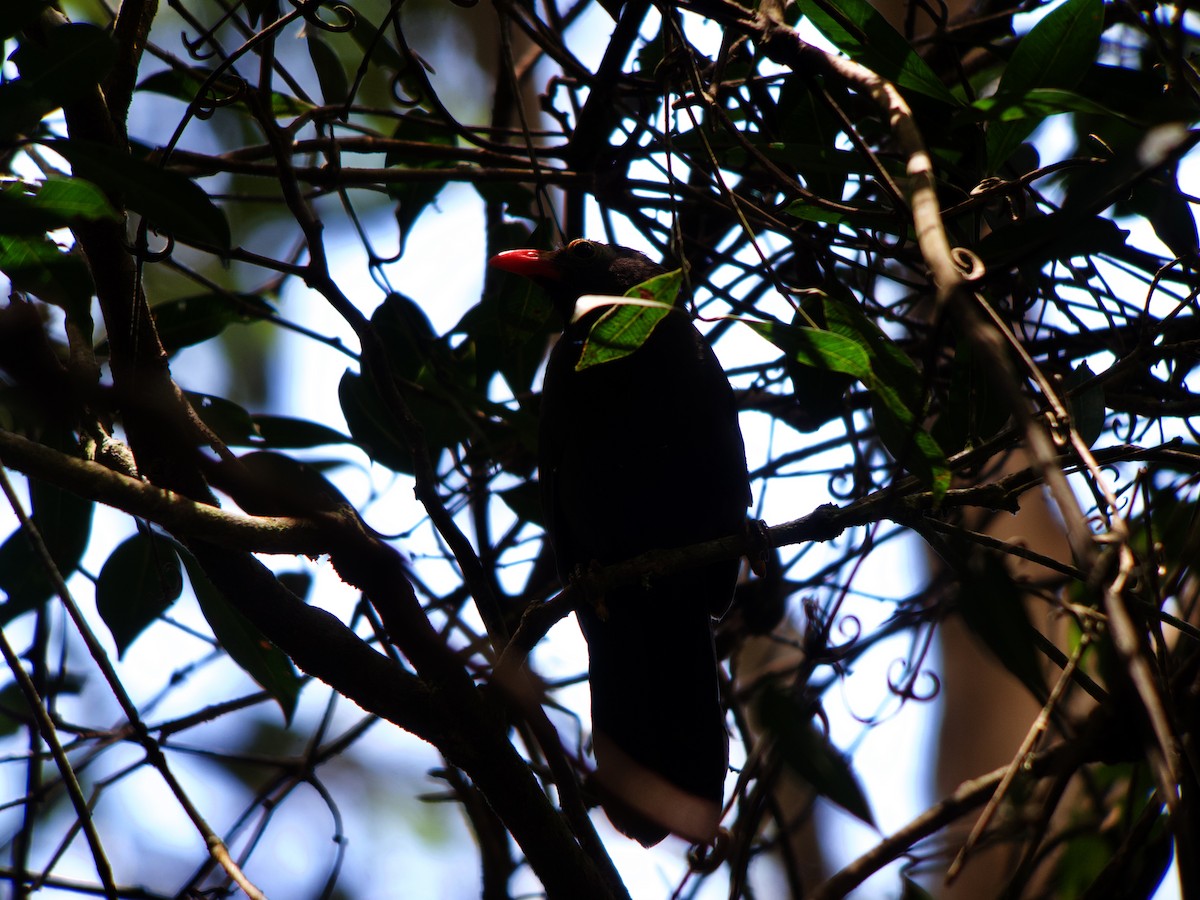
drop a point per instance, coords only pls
(636, 454)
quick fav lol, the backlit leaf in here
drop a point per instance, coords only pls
(138, 583)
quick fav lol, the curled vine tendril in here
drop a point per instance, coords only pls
(707, 858)
(194, 47)
(141, 251)
(842, 484)
(904, 685)
(309, 9)
(969, 263)
(398, 86)
(210, 102)
(817, 644)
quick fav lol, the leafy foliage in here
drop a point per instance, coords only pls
(950, 266)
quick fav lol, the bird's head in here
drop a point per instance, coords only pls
(581, 267)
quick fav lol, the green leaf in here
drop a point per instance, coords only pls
(35, 208)
(816, 348)
(138, 583)
(172, 202)
(335, 87)
(284, 433)
(1135, 94)
(274, 484)
(862, 33)
(810, 132)
(819, 393)
(894, 372)
(509, 327)
(373, 427)
(299, 583)
(809, 753)
(1037, 103)
(186, 321)
(911, 445)
(412, 199)
(371, 39)
(183, 84)
(406, 332)
(438, 382)
(662, 288)
(230, 422)
(64, 522)
(619, 332)
(1071, 232)
(74, 199)
(973, 412)
(866, 218)
(913, 890)
(1087, 406)
(993, 608)
(525, 501)
(1161, 202)
(856, 346)
(897, 402)
(420, 127)
(626, 326)
(73, 59)
(259, 658)
(374, 40)
(1056, 53)
(22, 580)
(12, 700)
(37, 265)
(180, 83)
(261, 11)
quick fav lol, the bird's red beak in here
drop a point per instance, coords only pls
(528, 263)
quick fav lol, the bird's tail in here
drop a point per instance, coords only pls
(659, 734)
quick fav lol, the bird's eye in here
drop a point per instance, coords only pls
(582, 250)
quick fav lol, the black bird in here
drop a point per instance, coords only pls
(637, 454)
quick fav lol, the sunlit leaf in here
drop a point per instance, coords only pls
(37, 265)
(33, 208)
(816, 348)
(1056, 53)
(628, 323)
(860, 349)
(863, 34)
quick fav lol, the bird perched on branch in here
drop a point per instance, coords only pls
(637, 454)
